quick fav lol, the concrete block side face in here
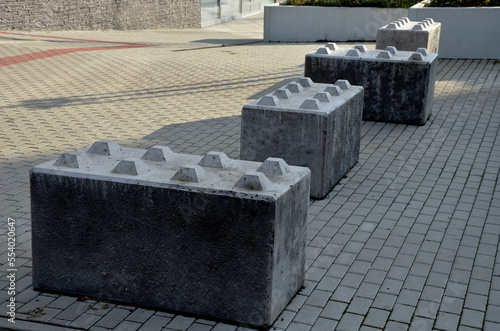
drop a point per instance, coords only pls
(395, 91)
(344, 140)
(290, 258)
(155, 246)
(297, 138)
(417, 35)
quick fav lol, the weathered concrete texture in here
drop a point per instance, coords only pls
(202, 235)
(99, 14)
(307, 124)
(399, 85)
(408, 35)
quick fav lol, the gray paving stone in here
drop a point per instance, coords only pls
(472, 318)
(155, 323)
(476, 301)
(113, 318)
(343, 294)
(493, 313)
(200, 327)
(298, 327)
(350, 322)
(223, 327)
(447, 321)
(384, 301)
(359, 305)
(307, 315)
(318, 298)
(376, 318)
(334, 310)
(85, 321)
(396, 326)
(324, 324)
(420, 323)
(402, 313)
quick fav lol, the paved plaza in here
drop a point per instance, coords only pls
(408, 239)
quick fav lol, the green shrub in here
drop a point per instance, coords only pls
(354, 3)
(463, 3)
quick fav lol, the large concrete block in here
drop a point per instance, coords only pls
(408, 35)
(203, 235)
(399, 85)
(307, 124)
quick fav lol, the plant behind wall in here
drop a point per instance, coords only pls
(463, 3)
(354, 3)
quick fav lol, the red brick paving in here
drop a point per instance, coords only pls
(11, 60)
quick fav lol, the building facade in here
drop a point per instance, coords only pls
(121, 14)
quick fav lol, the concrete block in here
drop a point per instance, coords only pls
(406, 35)
(203, 235)
(399, 85)
(318, 127)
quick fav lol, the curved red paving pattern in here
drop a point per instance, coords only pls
(7, 61)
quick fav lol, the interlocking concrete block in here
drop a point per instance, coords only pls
(316, 126)
(203, 235)
(408, 35)
(399, 85)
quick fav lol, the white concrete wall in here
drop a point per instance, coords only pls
(466, 33)
(313, 23)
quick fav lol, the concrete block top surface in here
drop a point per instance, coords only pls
(213, 173)
(389, 54)
(305, 96)
(404, 24)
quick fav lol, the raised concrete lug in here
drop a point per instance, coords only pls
(323, 97)
(323, 50)
(129, 167)
(353, 52)
(294, 87)
(157, 153)
(104, 147)
(312, 104)
(384, 55)
(305, 82)
(255, 181)
(343, 84)
(274, 166)
(215, 160)
(283, 94)
(332, 46)
(190, 173)
(416, 57)
(391, 49)
(392, 26)
(334, 90)
(361, 48)
(269, 100)
(68, 160)
(422, 51)
(418, 27)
